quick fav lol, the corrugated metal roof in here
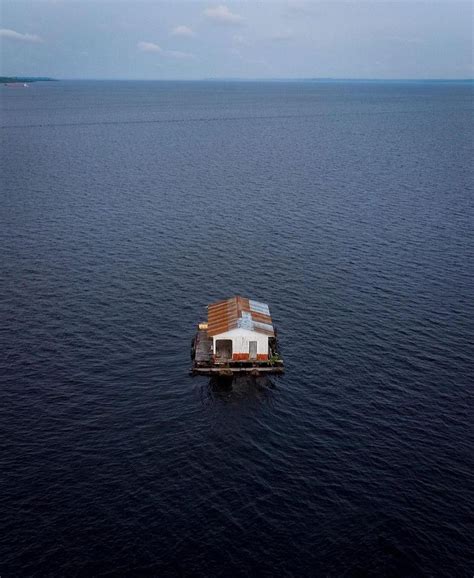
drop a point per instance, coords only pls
(239, 312)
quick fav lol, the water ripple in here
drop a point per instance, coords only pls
(349, 209)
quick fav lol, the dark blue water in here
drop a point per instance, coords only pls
(126, 208)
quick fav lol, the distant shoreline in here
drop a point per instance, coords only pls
(316, 80)
(12, 79)
(31, 79)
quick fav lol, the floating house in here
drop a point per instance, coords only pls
(238, 337)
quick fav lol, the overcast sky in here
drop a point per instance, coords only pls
(253, 39)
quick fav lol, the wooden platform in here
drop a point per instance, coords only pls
(201, 355)
(202, 347)
(232, 370)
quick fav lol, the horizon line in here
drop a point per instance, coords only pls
(253, 79)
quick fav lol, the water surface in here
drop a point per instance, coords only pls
(126, 208)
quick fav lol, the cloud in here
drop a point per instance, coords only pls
(13, 35)
(149, 47)
(180, 55)
(222, 15)
(156, 49)
(282, 36)
(182, 31)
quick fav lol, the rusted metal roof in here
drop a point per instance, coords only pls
(239, 312)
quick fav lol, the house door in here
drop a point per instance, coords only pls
(224, 349)
(252, 350)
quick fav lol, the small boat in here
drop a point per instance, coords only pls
(238, 337)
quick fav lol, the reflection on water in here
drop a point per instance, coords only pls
(239, 387)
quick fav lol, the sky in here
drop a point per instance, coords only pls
(174, 39)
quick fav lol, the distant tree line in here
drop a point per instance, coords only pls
(5, 79)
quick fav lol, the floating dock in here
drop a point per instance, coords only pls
(238, 338)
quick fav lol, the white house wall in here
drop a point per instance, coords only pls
(241, 338)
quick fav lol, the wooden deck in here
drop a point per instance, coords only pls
(235, 370)
(203, 364)
(203, 347)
